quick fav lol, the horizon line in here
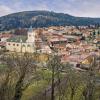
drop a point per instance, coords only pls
(48, 11)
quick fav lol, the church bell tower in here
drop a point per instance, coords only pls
(31, 35)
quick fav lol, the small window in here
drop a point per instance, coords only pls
(13, 44)
(23, 45)
(28, 45)
(17, 44)
(8, 43)
(29, 35)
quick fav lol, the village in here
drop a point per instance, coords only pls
(75, 45)
(49, 49)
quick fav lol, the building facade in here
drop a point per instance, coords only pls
(22, 43)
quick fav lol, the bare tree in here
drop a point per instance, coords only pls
(6, 81)
(56, 67)
(23, 68)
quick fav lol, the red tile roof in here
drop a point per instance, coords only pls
(5, 35)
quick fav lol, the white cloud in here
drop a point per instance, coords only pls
(83, 8)
(87, 9)
(19, 6)
(4, 10)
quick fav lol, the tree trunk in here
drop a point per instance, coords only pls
(18, 88)
(52, 87)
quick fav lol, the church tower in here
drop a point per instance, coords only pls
(31, 35)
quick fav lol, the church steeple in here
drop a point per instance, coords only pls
(30, 29)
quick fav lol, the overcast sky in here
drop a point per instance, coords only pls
(84, 8)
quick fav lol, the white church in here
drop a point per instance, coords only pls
(27, 43)
(18, 44)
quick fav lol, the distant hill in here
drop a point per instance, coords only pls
(43, 19)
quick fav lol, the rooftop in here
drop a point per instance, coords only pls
(17, 39)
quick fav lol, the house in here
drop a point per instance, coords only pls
(3, 39)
